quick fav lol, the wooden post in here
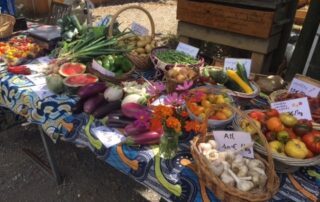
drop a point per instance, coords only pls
(305, 40)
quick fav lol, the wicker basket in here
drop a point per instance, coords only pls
(6, 25)
(213, 182)
(140, 62)
(164, 66)
(283, 164)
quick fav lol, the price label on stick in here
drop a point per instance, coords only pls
(187, 49)
(231, 63)
(234, 140)
(108, 136)
(297, 107)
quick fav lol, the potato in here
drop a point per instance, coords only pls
(180, 78)
(140, 50)
(121, 43)
(142, 44)
(132, 43)
(153, 43)
(148, 39)
(173, 72)
(134, 52)
(148, 48)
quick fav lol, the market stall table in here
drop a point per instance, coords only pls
(174, 180)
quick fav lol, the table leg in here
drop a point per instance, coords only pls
(52, 169)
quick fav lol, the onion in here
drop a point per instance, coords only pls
(113, 93)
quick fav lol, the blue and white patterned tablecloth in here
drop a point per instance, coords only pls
(175, 179)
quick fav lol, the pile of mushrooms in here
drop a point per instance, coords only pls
(233, 169)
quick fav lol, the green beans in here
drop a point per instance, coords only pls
(172, 57)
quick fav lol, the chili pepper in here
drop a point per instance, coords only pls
(19, 70)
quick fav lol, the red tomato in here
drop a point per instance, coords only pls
(257, 115)
(312, 141)
(272, 113)
(292, 135)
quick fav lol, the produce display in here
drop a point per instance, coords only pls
(118, 64)
(139, 45)
(175, 57)
(18, 49)
(233, 169)
(231, 79)
(286, 134)
(181, 74)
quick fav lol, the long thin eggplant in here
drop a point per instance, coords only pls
(131, 109)
(134, 129)
(93, 103)
(105, 109)
(147, 138)
(116, 120)
(92, 89)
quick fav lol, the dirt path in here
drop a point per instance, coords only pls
(86, 178)
(163, 14)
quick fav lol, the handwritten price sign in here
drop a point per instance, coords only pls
(108, 136)
(139, 29)
(234, 140)
(297, 107)
(187, 49)
(298, 86)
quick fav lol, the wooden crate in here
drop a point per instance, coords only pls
(251, 22)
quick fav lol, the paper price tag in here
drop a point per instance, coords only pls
(108, 136)
(139, 29)
(187, 49)
(231, 63)
(297, 107)
(308, 89)
(234, 140)
(102, 70)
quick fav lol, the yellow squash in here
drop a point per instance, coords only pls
(235, 77)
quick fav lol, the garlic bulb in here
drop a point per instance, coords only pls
(258, 179)
(256, 163)
(204, 148)
(217, 167)
(227, 179)
(240, 169)
(258, 170)
(212, 155)
(213, 144)
(227, 155)
(242, 185)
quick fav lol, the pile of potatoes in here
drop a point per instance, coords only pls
(181, 74)
(140, 45)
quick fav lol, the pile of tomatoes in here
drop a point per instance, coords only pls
(17, 49)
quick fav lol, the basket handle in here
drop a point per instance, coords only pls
(115, 16)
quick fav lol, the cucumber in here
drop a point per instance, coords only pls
(232, 85)
(241, 71)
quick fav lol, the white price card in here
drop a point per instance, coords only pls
(42, 91)
(187, 49)
(95, 65)
(139, 29)
(37, 79)
(234, 140)
(108, 136)
(231, 63)
(308, 89)
(297, 107)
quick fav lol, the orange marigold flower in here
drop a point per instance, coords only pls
(162, 111)
(184, 114)
(155, 124)
(193, 126)
(174, 123)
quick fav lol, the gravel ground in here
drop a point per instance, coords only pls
(163, 14)
(85, 177)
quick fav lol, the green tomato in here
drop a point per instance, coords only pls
(106, 64)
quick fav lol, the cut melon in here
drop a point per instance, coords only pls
(71, 69)
(80, 80)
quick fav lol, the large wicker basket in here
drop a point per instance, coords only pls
(6, 25)
(140, 62)
(213, 182)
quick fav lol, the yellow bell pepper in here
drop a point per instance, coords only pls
(235, 77)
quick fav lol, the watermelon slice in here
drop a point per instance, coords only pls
(80, 80)
(70, 69)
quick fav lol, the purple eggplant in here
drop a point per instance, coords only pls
(146, 138)
(131, 109)
(78, 108)
(134, 129)
(105, 109)
(92, 89)
(93, 103)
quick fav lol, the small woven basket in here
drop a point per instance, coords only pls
(213, 182)
(140, 62)
(6, 25)
(283, 164)
(158, 64)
